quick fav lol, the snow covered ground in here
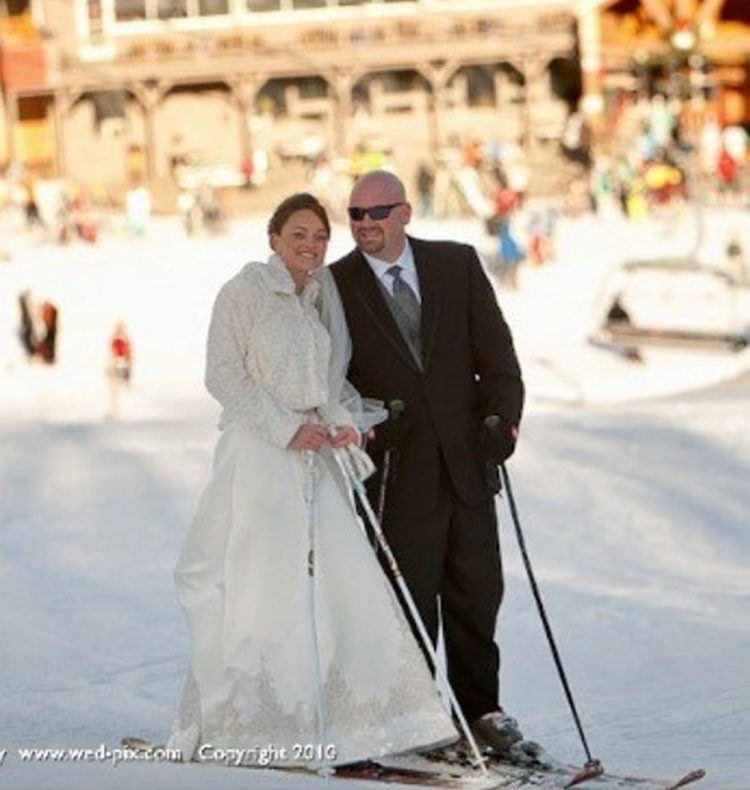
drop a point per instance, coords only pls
(631, 481)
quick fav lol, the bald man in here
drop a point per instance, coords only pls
(427, 330)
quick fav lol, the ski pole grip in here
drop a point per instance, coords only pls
(396, 408)
(391, 432)
(492, 422)
(498, 439)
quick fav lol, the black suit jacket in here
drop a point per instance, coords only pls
(469, 370)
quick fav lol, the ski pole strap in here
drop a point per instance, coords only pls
(361, 464)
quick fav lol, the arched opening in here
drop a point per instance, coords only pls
(211, 138)
(472, 86)
(389, 106)
(299, 97)
(566, 81)
(293, 116)
(109, 130)
(388, 92)
(553, 94)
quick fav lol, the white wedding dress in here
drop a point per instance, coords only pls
(259, 667)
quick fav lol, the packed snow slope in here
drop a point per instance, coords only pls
(630, 478)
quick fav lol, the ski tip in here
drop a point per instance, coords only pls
(591, 770)
(134, 742)
(693, 776)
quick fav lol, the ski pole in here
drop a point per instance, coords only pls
(311, 516)
(347, 467)
(592, 766)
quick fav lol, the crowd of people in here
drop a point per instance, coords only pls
(63, 211)
(660, 154)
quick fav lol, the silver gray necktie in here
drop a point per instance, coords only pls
(406, 299)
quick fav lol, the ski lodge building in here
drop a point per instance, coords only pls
(117, 91)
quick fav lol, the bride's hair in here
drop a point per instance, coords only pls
(300, 201)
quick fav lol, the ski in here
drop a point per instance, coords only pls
(396, 771)
(445, 776)
(534, 767)
(136, 744)
(452, 769)
(688, 779)
(576, 778)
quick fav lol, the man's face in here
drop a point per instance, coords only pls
(385, 237)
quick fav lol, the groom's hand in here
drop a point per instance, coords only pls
(389, 435)
(498, 438)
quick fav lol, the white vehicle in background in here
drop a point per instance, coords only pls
(676, 302)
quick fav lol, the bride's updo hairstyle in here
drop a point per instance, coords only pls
(300, 201)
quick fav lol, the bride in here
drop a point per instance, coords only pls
(285, 670)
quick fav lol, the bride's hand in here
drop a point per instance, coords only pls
(309, 437)
(345, 435)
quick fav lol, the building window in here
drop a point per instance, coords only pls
(213, 7)
(16, 7)
(94, 10)
(134, 10)
(96, 29)
(130, 10)
(172, 9)
(263, 5)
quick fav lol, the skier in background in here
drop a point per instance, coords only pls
(46, 347)
(26, 332)
(121, 353)
(120, 366)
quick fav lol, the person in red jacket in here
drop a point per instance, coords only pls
(47, 344)
(728, 172)
(121, 353)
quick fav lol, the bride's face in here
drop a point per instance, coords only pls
(301, 244)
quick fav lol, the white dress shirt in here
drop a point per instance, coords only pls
(408, 270)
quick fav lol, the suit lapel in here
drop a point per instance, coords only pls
(369, 295)
(428, 287)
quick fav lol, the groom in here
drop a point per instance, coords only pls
(427, 330)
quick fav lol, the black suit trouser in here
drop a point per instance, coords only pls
(450, 560)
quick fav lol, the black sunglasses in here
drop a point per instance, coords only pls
(358, 213)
